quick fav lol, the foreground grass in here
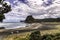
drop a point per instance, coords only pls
(17, 36)
(23, 36)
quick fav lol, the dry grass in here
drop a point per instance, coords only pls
(43, 32)
(14, 36)
(52, 31)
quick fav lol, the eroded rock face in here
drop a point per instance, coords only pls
(29, 19)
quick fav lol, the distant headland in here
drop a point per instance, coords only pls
(30, 19)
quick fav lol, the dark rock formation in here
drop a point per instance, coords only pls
(29, 19)
(2, 27)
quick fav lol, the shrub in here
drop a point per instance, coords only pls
(35, 35)
(57, 36)
(47, 37)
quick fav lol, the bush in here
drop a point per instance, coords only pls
(35, 35)
(47, 37)
(51, 37)
(57, 36)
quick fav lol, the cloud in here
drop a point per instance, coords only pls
(39, 9)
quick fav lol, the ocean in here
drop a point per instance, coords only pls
(13, 25)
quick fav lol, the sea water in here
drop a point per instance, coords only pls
(13, 25)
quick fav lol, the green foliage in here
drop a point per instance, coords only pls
(7, 8)
(47, 37)
(57, 36)
(51, 37)
(4, 9)
(1, 1)
(35, 36)
(2, 17)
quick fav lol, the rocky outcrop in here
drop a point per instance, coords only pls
(2, 27)
(29, 19)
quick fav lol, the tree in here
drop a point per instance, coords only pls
(4, 8)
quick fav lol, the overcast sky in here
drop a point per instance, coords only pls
(38, 8)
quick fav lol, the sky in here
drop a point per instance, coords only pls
(38, 9)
